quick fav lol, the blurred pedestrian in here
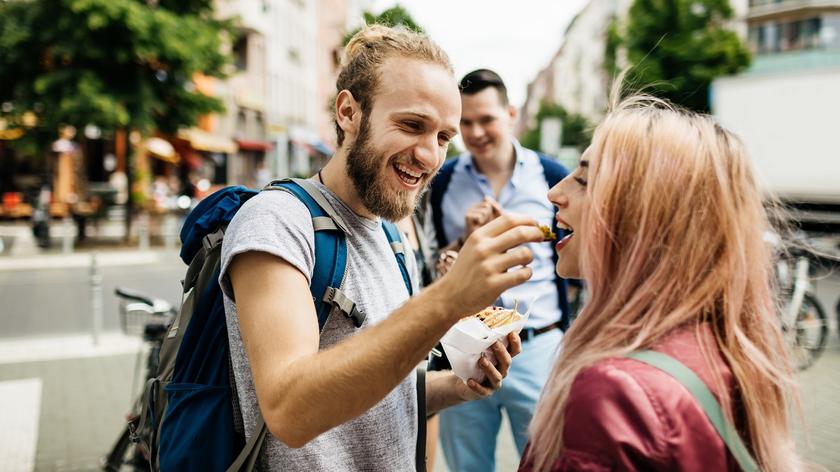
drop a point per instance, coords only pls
(498, 175)
(667, 224)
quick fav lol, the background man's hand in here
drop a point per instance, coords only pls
(445, 261)
(487, 264)
(473, 390)
(480, 214)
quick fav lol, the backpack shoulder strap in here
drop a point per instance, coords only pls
(707, 400)
(436, 191)
(330, 244)
(554, 171)
(395, 239)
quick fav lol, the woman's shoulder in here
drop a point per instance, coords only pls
(630, 411)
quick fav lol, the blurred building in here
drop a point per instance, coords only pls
(335, 19)
(277, 121)
(575, 76)
(806, 27)
(785, 105)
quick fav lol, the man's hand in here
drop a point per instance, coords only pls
(480, 214)
(445, 261)
(473, 390)
(487, 264)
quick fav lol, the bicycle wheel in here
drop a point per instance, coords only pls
(811, 332)
(115, 459)
(125, 455)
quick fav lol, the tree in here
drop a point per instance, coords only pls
(675, 48)
(118, 64)
(576, 129)
(115, 64)
(394, 16)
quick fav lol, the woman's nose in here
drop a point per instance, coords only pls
(556, 195)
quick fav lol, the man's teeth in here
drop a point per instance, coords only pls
(408, 171)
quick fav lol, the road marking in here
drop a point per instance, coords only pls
(65, 261)
(51, 348)
(20, 407)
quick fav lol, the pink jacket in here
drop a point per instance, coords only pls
(623, 414)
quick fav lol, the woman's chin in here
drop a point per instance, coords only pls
(567, 272)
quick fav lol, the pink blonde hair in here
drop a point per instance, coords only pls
(672, 237)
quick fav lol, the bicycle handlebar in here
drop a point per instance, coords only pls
(134, 295)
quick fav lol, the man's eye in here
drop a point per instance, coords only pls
(443, 140)
(412, 125)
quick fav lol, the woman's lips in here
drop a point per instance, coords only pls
(563, 242)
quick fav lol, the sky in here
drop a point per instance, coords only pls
(514, 38)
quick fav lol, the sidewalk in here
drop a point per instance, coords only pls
(62, 408)
(69, 408)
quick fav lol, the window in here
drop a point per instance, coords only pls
(773, 37)
(240, 53)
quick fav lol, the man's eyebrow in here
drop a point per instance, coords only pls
(425, 117)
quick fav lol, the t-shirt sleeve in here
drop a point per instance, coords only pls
(612, 422)
(274, 222)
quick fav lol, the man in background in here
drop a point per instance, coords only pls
(498, 175)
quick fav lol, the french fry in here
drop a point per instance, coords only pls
(548, 235)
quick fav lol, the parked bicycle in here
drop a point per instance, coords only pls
(150, 317)
(804, 323)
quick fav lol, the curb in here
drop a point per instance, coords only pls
(76, 260)
(79, 346)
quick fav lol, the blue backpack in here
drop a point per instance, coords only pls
(191, 419)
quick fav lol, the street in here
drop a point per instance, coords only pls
(65, 401)
(55, 299)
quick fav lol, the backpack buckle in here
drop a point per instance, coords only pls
(338, 299)
(213, 239)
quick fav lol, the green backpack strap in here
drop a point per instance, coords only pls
(707, 400)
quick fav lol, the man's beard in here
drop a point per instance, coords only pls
(364, 166)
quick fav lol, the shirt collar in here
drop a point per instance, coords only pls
(518, 152)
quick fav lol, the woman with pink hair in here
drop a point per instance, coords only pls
(666, 223)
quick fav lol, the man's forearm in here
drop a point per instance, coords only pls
(318, 392)
(441, 391)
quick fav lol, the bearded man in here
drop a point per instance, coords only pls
(344, 397)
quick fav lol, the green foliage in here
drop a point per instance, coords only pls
(113, 63)
(394, 16)
(677, 47)
(576, 129)
(452, 150)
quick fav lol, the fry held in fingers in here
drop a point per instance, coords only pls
(548, 234)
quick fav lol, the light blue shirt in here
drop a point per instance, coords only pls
(526, 193)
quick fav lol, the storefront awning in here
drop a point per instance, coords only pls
(203, 141)
(254, 145)
(163, 150)
(10, 134)
(323, 148)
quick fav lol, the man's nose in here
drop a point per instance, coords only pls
(473, 131)
(427, 152)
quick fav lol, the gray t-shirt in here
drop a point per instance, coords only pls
(382, 438)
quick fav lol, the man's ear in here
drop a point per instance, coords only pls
(348, 113)
(513, 112)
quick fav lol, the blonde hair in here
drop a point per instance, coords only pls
(367, 51)
(672, 237)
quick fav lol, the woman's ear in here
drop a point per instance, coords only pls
(347, 112)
